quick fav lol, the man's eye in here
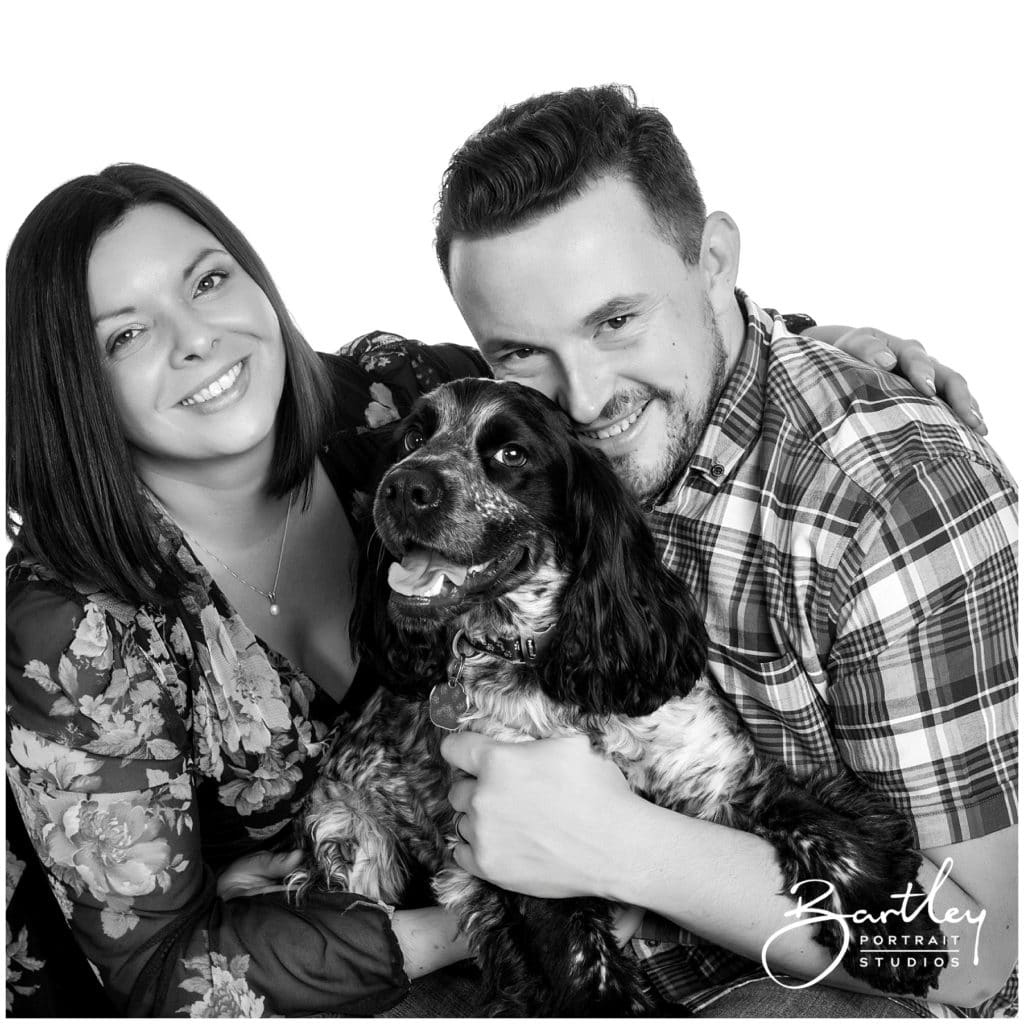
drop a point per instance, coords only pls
(413, 439)
(616, 323)
(512, 455)
(208, 282)
(520, 353)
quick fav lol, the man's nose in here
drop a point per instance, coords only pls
(192, 336)
(585, 389)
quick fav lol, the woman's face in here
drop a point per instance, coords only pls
(191, 345)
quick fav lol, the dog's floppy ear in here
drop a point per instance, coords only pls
(629, 636)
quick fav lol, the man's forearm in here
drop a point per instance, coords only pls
(677, 862)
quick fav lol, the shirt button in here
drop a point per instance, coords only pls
(717, 469)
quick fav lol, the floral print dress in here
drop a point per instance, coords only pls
(149, 748)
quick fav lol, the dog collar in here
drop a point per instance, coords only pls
(524, 649)
(448, 701)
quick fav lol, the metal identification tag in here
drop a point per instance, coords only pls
(448, 703)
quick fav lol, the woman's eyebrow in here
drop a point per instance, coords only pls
(203, 253)
(123, 311)
(185, 275)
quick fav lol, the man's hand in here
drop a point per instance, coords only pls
(256, 873)
(908, 358)
(541, 818)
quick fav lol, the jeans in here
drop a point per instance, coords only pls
(454, 992)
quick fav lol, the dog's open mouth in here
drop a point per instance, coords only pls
(426, 580)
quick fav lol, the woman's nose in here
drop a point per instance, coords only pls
(193, 337)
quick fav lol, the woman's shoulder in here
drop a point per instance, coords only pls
(378, 376)
(43, 613)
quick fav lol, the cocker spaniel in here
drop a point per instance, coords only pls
(525, 598)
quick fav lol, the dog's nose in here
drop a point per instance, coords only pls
(410, 492)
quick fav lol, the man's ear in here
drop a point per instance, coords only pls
(720, 260)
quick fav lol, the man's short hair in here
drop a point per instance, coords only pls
(540, 153)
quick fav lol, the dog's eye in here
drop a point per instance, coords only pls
(413, 439)
(511, 455)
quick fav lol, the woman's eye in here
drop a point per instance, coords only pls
(208, 282)
(512, 455)
(122, 338)
(413, 439)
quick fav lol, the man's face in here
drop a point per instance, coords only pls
(593, 307)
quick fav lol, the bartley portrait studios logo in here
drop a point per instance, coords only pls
(893, 948)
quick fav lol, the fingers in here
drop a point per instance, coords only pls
(466, 750)
(257, 872)
(914, 363)
(908, 358)
(460, 795)
(462, 854)
(626, 921)
(954, 391)
(869, 345)
(283, 864)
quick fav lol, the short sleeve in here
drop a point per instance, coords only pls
(99, 764)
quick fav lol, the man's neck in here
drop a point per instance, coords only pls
(733, 325)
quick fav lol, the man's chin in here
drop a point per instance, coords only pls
(645, 482)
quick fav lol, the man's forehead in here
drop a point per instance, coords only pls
(560, 270)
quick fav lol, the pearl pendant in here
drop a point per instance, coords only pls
(275, 608)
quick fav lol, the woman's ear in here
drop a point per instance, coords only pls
(629, 636)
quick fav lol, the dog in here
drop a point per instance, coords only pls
(525, 598)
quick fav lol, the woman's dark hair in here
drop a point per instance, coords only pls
(534, 156)
(74, 501)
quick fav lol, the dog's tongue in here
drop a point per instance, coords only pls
(422, 574)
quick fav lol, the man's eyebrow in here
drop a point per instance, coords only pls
(185, 275)
(496, 343)
(617, 306)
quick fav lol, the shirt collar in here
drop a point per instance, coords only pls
(736, 421)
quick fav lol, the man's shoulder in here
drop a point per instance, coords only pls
(874, 427)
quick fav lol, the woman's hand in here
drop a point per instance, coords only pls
(256, 873)
(545, 818)
(908, 358)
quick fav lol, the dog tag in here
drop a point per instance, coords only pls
(448, 703)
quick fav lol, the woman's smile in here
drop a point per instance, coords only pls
(222, 392)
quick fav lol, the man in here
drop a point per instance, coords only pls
(852, 545)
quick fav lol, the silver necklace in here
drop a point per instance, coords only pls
(270, 595)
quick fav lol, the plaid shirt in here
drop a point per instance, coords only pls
(854, 550)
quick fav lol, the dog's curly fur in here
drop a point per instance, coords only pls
(624, 667)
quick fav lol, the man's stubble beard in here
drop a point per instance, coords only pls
(684, 427)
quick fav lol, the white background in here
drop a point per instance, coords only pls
(869, 151)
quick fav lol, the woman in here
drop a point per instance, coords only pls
(182, 471)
